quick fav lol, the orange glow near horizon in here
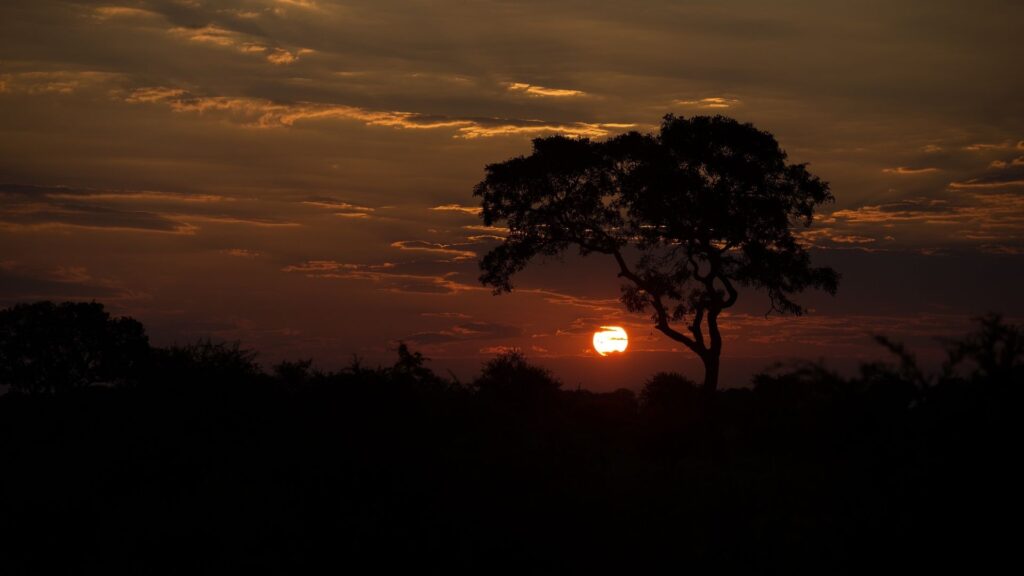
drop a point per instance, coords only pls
(610, 339)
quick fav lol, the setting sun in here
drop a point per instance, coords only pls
(610, 339)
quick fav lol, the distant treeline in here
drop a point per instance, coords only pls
(119, 456)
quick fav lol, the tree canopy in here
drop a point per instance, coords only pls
(689, 214)
(47, 347)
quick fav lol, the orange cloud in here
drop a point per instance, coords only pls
(852, 239)
(107, 12)
(432, 248)
(712, 102)
(1000, 164)
(333, 205)
(244, 43)
(542, 91)
(979, 184)
(982, 147)
(991, 218)
(267, 114)
(384, 276)
(54, 82)
(457, 208)
(322, 267)
(904, 171)
(576, 129)
(241, 253)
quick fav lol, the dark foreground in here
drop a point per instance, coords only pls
(205, 466)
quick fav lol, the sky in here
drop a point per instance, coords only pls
(297, 175)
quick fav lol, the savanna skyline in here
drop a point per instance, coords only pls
(298, 175)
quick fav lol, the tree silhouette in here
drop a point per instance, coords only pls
(689, 214)
(47, 347)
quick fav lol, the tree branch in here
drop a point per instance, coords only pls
(730, 289)
(662, 321)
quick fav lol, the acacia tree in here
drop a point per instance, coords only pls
(689, 214)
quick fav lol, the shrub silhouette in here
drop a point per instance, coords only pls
(996, 349)
(205, 363)
(509, 378)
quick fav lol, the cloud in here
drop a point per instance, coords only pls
(458, 208)
(434, 248)
(108, 12)
(332, 204)
(324, 267)
(711, 102)
(55, 82)
(28, 283)
(154, 94)
(280, 56)
(240, 220)
(925, 210)
(307, 4)
(495, 230)
(241, 253)
(459, 315)
(342, 209)
(132, 196)
(904, 171)
(852, 239)
(29, 207)
(498, 350)
(214, 35)
(467, 331)
(1000, 164)
(982, 219)
(385, 276)
(609, 307)
(263, 113)
(537, 128)
(541, 91)
(217, 36)
(986, 184)
(984, 147)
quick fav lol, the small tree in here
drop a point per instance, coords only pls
(688, 214)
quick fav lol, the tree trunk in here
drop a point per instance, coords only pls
(711, 360)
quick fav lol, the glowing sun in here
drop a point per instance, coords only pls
(610, 339)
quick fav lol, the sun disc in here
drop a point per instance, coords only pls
(610, 339)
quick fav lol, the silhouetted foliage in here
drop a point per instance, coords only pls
(205, 363)
(668, 389)
(508, 377)
(295, 371)
(996, 350)
(209, 465)
(47, 347)
(689, 214)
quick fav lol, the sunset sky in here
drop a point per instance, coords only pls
(298, 174)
